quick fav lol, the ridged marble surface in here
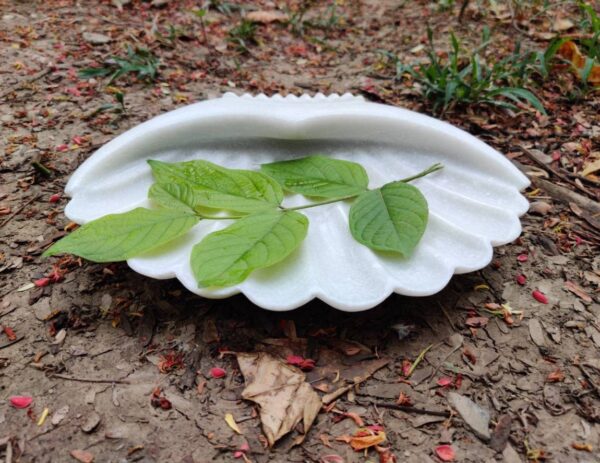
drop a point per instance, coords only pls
(474, 202)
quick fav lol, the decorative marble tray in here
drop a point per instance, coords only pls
(474, 201)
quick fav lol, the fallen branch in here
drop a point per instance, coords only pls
(14, 341)
(19, 209)
(89, 380)
(407, 409)
(554, 172)
(20, 84)
(327, 399)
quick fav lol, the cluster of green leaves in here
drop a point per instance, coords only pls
(243, 35)
(138, 61)
(298, 21)
(264, 232)
(590, 24)
(469, 77)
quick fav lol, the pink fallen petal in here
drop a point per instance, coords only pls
(522, 257)
(539, 296)
(445, 452)
(444, 381)
(20, 401)
(294, 359)
(331, 459)
(521, 279)
(217, 372)
(375, 427)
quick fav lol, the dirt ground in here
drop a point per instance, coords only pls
(537, 375)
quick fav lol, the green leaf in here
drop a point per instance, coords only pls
(228, 256)
(117, 237)
(172, 196)
(319, 176)
(391, 218)
(209, 185)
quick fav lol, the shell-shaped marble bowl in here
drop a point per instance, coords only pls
(474, 201)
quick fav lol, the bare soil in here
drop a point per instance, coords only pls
(126, 335)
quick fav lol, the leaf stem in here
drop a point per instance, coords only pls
(434, 168)
(212, 217)
(429, 170)
(308, 206)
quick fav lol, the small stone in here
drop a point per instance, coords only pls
(92, 422)
(96, 39)
(477, 418)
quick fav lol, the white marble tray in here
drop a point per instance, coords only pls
(474, 201)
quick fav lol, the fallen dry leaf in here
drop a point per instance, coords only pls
(282, 393)
(576, 289)
(265, 17)
(365, 438)
(591, 168)
(230, 420)
(570, 51)
(82, 456)
(563, 24)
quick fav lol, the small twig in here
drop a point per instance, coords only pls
(18, 210)
(101, 352)
(407, 409)
(32, 79)
(554, 172)
(14, 341)
(589, 379)
(89, 380)
(8, 311)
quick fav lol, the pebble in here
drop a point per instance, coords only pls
(91, 423)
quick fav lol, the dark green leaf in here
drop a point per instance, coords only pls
(391, 218)
(319, 176)
(118, 237)
(209, 185)
(227, 257)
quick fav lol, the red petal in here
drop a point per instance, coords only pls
(217, 372)
(375, 427)
(244, 447)
(522, 257)
(539, 296)
(42, 282)
(20, 401)
(55, 198)
(307, 364)
(331, 459)
(444, 381)
(445, 452)
(521, 279)
(294, 359)
(238, 454)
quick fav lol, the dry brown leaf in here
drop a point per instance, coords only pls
(576, 289)
(360, 442)
(230, 420)
(282, 393)
(82, 456)
(266, 16)
(591, 168)
(570, 51)
(563, 24)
